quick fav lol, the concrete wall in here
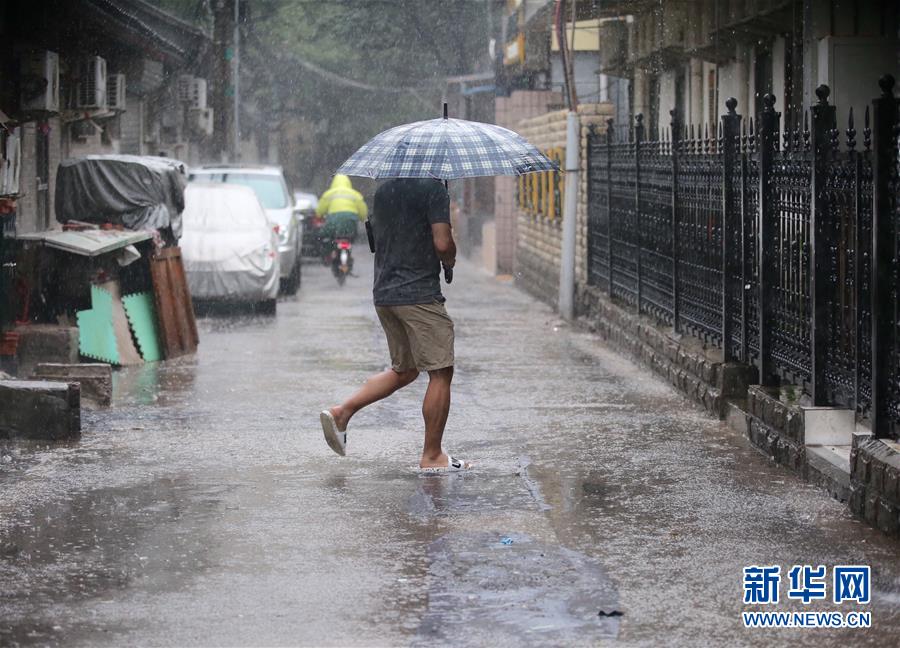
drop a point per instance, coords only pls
(26, 205)
(56, 156)
(667, 96)
(587, 81)
(538, 237)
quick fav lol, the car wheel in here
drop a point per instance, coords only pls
(267, 307)
(291, 283)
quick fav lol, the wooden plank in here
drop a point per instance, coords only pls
(178, 327)
(164, 311)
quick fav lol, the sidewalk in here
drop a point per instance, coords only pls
(205, 509)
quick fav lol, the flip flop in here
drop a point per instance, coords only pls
(453, 465)
(335, 439)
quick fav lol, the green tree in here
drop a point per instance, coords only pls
(348, 69)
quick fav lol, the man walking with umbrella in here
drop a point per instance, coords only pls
(412, 240)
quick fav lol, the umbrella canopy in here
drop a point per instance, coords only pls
(446, 149)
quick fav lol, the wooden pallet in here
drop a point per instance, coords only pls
(174, 309)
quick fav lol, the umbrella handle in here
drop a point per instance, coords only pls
(448, 274)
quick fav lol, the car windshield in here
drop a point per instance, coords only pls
(217, 209)
(269, 189)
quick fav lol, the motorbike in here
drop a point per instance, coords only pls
(342, 260)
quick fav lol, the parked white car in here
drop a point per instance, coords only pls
(271, 189)
(229, 245)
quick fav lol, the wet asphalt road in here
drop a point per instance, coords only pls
(205, 508)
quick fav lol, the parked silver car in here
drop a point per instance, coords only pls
(271, 189)
(229, 246)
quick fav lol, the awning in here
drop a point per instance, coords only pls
(89, 243)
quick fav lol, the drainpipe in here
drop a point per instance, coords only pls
(567, 256)
(570, 208)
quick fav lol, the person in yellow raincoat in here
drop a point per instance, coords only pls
(342, 206)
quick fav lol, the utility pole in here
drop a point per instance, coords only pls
(224, 68)
(236, 84)
(572, 169)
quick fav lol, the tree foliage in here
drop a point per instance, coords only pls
(305, 61)
(327, 75)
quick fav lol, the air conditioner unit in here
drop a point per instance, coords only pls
(115, 92)
(91, 87)
(184, 87)
(40, 82)
(197, 99)
(202, 120)
(85, 129)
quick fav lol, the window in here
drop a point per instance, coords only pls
(269, 189)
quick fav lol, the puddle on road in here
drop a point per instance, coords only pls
(483, 590)
(154, 383)
(97, 544)
(485, 488)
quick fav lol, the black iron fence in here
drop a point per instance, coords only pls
(777, 244)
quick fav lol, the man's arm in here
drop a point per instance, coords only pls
(442, 237)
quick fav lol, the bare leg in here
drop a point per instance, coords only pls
(435, 410)
(379, 386)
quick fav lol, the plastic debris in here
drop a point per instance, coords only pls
(506, 540)
(142, 318)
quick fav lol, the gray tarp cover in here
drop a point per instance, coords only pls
(139, 192)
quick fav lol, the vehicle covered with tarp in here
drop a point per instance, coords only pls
(230, 247)
(136, 192)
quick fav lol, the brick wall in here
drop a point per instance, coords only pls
(509, 113)
(539, 239)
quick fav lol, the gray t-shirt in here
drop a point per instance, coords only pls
(407, 269)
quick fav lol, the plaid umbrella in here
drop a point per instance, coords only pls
(446, 149)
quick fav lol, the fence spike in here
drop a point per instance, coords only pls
(867, 131)
(751, 138)
(805, 130)
(834, 133)
(851, 132)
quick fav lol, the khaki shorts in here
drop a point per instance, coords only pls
(419, 336)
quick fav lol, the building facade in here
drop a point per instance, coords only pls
(96, 77)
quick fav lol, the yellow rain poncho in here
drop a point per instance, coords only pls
(342, 198)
